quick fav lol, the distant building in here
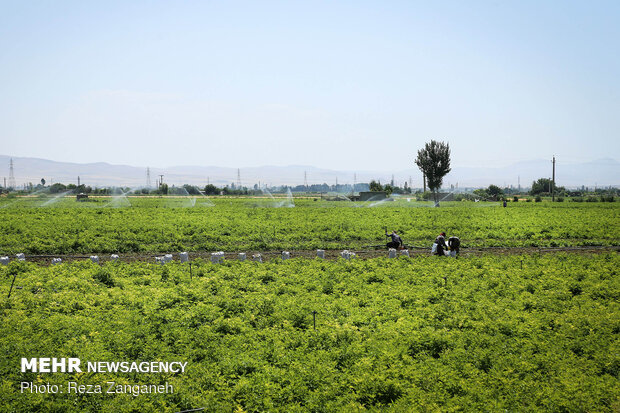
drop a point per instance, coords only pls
(372, 196)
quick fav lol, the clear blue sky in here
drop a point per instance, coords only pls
(343, 85)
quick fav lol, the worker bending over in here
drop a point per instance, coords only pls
(441, 246)
(454, 244)
(396, 242)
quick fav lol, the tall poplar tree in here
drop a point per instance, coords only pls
(434, 162)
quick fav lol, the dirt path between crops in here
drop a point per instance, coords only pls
(329, 254)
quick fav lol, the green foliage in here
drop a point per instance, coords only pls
(490, 336)
(434, 161)
(388, 189)
(545, 185)
(57, 188)
(104, 276)
(159, 225)
(495, 191)
(375, 186)
(211, 190)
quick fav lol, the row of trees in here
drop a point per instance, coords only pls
(434, 162)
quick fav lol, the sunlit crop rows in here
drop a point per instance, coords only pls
(516, 333)
(163, 225)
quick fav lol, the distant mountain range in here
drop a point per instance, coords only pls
(603, 172)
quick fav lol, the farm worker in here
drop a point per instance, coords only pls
(396, 242)
(441, 244)
(454, 243)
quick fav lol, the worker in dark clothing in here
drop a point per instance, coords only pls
(441, 244)
(454, 243)
(396, 242)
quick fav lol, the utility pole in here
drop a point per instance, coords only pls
(161, 180)
(553, 182)
(148, 177)
(306, 180)
(354, 182)
(11, 175)
(238, 178)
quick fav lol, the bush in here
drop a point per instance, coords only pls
(515, 199)
(538, 198)
(104, 276)
(560, 199)
(607, 198)
(528, 200)
(577, 199)
(591, 199)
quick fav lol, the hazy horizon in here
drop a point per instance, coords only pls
(341, 86)
(603, 172)
(410, 166)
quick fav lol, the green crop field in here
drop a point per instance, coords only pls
(480, 334)
(163, 225)
(494, 332)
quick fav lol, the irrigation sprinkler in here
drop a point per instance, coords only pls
(314, 318)
(11, 289)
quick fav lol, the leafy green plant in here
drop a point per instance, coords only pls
(515, 332)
